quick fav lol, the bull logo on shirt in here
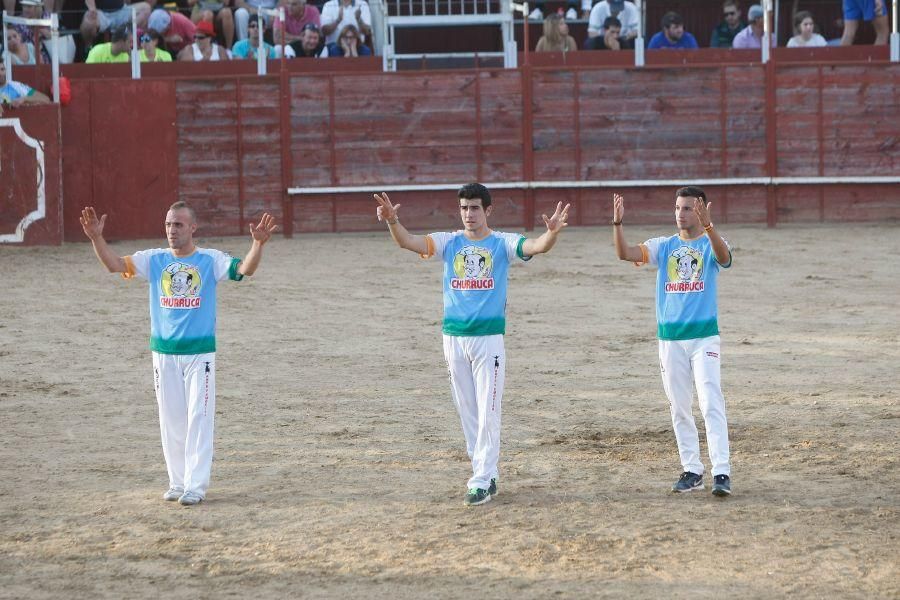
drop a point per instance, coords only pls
(180, 286)
(685, 271)
(474, 268)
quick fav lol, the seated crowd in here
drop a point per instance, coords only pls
(614, 24)
(215, 30)
(230, 29)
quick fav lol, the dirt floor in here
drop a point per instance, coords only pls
(340, 467)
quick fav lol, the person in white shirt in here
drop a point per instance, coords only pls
(337, 14)
(805, 28)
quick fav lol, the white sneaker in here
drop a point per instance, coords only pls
(571, 14)
(536, 15)
(190, 499)
(173, 494)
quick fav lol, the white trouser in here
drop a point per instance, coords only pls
(685, 363)
(477, 367)
(186, 393)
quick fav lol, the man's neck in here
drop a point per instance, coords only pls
(478, 234)
(691, 233)
(182, 252)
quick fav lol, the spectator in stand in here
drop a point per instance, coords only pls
(150, 50)
(751, 35)
(805, 28)
(114, 51)
(247, 11)
(249, 48)
(106, 15)
(204, 46)
(556, 36)
(173, 27)
(626, 12)
(611, 38)
(869, 10)
(297, 14)
(348, 44)
(337, 14)
(217, 12)
(14, 94)
(673, 35)
(310, 44)
(19, 52)
(570, 13)
(723, 34)
(34, 9)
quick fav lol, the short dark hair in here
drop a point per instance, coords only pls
(120, 34)
(671, 18)
(470, 191)
(612, 22)
(182, 204)
(691, 191)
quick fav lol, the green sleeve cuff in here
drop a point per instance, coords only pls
(519, 252)
(233, 270)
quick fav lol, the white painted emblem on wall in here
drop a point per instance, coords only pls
(40, 211)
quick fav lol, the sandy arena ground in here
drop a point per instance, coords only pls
(340, 466)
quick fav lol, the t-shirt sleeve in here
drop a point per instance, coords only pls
(225, 266)
(439, 241)
(138, 264)
(514, 242)
(728, 264)
(652, 249)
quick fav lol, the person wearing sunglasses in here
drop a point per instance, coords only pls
(204, 46)
(732, 23)
(150, 50)
(249, 48)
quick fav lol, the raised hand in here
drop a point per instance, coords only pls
(93, 227)
(263, 232)
(385, 211)
(702, 212)
(618, 208)
(558, 220)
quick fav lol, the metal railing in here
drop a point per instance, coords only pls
(53, 24)
(398, 14)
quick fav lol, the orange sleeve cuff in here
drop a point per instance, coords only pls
(645, 256)
(429, 245)
(129, 268)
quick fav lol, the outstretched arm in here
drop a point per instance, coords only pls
(623, 250)
(93, 228)
(388, 212)
(547, 240)
(723, 254)
(261, 234)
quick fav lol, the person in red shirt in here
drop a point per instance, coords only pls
(175, 28)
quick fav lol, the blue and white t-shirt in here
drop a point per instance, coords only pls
(686, 281)
(182, 296)
(475, 277)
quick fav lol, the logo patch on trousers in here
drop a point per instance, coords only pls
(713, 354)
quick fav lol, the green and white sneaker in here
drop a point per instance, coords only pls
(477, 496)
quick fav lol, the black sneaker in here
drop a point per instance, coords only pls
(688, 482)
(493, 489)
(721, 485)
(477, 496)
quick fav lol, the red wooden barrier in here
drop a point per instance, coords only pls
(228, 141)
